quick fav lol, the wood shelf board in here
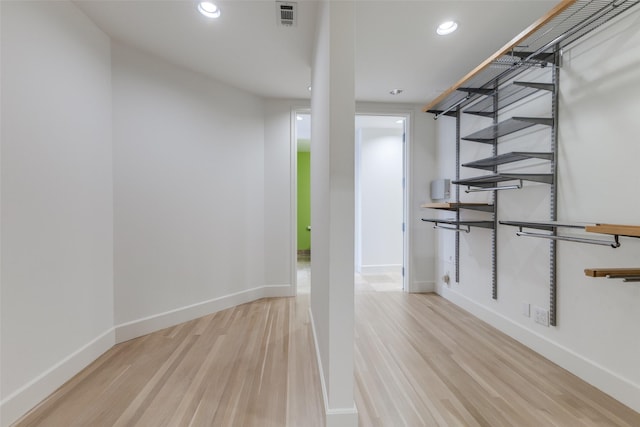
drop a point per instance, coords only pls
(612, 272)
(615, 229)
(516, 41)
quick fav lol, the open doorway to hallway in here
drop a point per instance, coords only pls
(380, 202)
(380, 190)
(303, 197)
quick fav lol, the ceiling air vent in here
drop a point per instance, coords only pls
(287, 13)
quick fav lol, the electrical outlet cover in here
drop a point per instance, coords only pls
(541, 316)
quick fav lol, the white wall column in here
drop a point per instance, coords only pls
(332, 207)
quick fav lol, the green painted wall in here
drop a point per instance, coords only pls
(304, 200)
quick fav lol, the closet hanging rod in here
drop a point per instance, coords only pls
(456, 229)
(615, 244)
(624, 278)
(500, 187)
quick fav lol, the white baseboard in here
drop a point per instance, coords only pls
(381, 269)
(31, 394)
(147, 325)
(334, 417)
(598, 376)
(422, 287)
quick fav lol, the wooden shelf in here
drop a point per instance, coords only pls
(615, 229)
(611, 272)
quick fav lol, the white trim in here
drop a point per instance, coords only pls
(600, 377)
(381, 269)
(422, 287)
(334, 417)
(156, 322)
(31, 394)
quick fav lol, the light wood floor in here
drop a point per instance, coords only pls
(252, 365)
(420, 361)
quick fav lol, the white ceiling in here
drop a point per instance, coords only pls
(396, 43)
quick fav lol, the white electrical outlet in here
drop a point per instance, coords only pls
(526, 309)
(541, 316)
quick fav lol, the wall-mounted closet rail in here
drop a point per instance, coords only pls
(553, 226)
(615, 244)
(456, 225)
(489, 182)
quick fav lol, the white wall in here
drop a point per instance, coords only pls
(380, 196)
(57, 234)
(596, 336)
(189, 204)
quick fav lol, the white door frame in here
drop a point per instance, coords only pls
(294, 194)
(407, 115)
(407, 213)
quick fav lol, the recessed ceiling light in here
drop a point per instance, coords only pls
(447, 27)
(395, 91)
(209, 9)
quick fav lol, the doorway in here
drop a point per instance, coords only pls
(380, 202)
(303, 201)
